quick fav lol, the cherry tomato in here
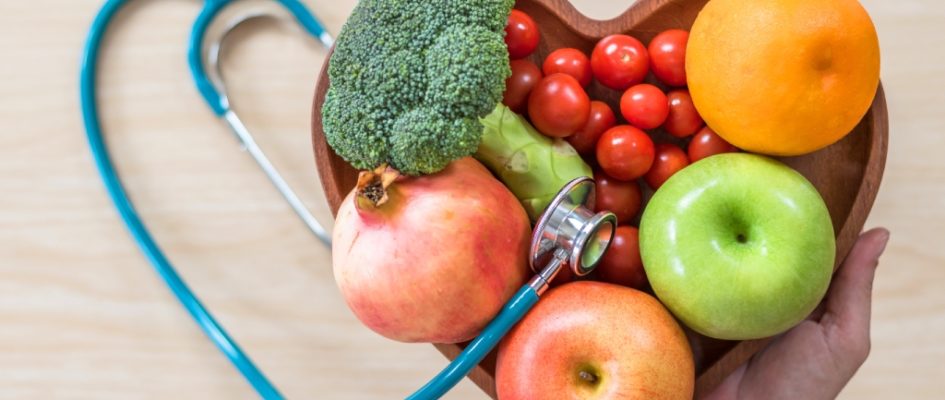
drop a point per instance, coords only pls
(668, 57)
(525, 75)
(621, 264)
(619, 61)
(625, 152)
(521, 35)
(683, 119)
(669, 160)
(644, 106)
(621, 198)
(558, 106)
(707, 143)
(569, 61)
(600, 119)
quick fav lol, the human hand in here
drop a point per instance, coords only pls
(817, 358)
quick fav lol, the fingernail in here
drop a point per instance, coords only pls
(883, 240)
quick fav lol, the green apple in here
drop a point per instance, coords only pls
(738, 246)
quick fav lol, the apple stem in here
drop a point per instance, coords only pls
(587, 376)
(741, 238)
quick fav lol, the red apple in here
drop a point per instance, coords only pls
(594, 340)
(438, 260)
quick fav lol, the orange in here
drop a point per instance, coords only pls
(783, 77)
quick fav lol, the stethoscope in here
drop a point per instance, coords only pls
(568, 233)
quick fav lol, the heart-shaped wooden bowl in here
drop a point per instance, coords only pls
(847, 174)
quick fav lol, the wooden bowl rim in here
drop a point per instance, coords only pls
(565, 11)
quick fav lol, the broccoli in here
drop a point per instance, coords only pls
(409, 80)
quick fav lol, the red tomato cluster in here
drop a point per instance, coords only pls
(555, 99)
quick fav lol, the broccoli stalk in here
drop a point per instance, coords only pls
(410, 79)
(533, 166)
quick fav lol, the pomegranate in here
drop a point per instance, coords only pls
(432, 258)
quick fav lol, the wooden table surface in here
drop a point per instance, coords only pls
(82, 314)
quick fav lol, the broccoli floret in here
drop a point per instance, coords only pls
(409, 80)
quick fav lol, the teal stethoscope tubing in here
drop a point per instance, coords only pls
(511, 313)
(116, 191)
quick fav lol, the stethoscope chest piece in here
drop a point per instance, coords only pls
(568, 228)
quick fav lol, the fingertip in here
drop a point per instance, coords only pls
(851, 290)
(877, 238)
(884, 239)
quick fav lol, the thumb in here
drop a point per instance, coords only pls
(849, 301)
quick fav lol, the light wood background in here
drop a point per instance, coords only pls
(82, 315)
